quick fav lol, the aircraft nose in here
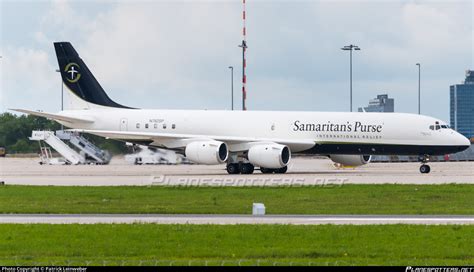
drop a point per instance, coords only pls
(467, 142)
(462, 141)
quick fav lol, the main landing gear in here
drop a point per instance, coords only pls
(424, 168)
(272, 170)
(248, 168)
(239, 164)
(240, 168)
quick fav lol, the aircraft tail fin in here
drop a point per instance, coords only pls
(85, 90)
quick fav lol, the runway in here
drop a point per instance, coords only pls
(235, 219)
(302, 171)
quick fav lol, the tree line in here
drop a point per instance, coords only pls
(16, 129)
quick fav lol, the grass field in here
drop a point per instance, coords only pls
(347, 199)
(150, 244)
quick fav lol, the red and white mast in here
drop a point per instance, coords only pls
(244, 64)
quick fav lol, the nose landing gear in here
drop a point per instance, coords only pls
(424, 168)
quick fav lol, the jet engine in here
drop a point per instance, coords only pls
(350, 160)
(207, 152)
(269, 155)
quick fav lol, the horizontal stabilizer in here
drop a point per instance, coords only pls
(57, 117)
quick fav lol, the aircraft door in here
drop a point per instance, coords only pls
(123, 124)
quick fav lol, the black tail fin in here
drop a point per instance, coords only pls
(78, 79)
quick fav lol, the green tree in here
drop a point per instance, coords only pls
(16, 129)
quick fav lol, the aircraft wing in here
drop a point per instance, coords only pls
(56, 116)
(174, 140)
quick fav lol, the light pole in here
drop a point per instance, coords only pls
(62, 94)
(232, 86)
(419, 89)
(350, 48)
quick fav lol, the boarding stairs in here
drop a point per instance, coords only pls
(85, 146)
(45, 154)
(61, 147)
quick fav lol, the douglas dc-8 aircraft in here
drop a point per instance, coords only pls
(248, 139)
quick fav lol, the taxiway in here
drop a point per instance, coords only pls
(234, 219)
(302, 171)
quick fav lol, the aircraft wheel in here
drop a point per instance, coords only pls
(266, 170)
(246, 168)
(425, 169)
(281, 170)
(233, 168)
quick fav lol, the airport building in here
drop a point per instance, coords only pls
(462, 106)
(380, 104)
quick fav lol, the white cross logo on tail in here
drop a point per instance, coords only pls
(72, 71)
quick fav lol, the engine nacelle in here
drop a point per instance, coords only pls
(207, 152)
(351, 160)
(269, 155)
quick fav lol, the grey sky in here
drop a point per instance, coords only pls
(154, 54)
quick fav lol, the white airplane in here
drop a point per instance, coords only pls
(248, 139)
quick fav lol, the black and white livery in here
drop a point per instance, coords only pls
(248, 139)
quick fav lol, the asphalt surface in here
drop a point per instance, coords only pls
(235, 219)
(302, 171)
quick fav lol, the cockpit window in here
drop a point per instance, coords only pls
(438, 126)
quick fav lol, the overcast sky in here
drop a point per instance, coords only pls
(158, 54)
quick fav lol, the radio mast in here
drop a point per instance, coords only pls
(244, 47)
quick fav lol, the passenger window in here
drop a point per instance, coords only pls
(156, 126)
(138, 125)
(173, 126)
(164, 126)
(146, 125)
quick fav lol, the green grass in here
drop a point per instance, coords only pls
(150, 244)
(346, 199)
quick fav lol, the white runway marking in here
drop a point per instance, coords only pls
(234, 219)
